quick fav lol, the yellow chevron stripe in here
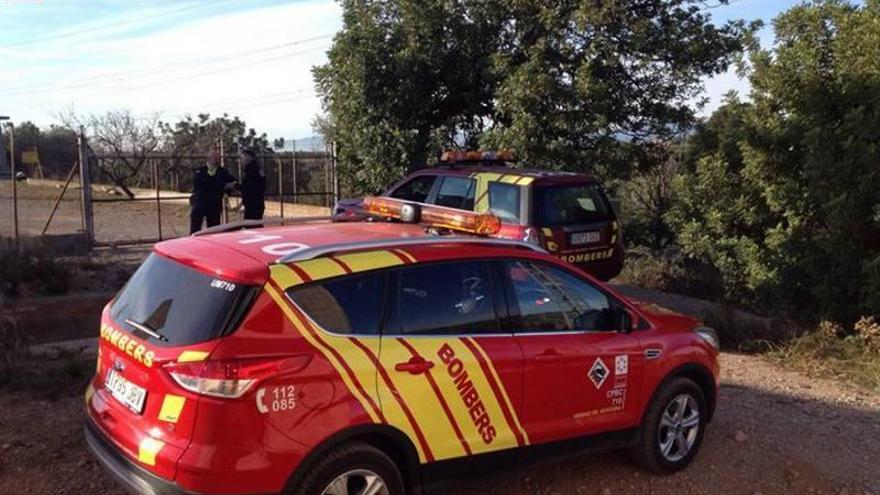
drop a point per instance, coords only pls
(424, 404)
(406, 254)
(504, 395)
(320, 268)
(362, 369)
(510, 179)
(284, 276)
(428, 348)
(372, 260)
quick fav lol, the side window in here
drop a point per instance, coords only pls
(551, 299)
(416, 189)
(456, 192)
(442, 299)
(344, 305)
(504, 200)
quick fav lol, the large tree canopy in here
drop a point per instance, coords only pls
(564, 84)
(790, 213)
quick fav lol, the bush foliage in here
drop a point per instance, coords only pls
(781, 194)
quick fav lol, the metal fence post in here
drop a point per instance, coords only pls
(295, 190)
(85, 182)
(158, 197)
(14, 172)
(333, 165)
(280, 163)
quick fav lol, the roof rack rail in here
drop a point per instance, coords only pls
(245, 224)
(318, 251)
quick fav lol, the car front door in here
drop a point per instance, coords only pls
(582, 370)
(448, 376)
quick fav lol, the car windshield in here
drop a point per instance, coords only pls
(178, 304)
(570, 205)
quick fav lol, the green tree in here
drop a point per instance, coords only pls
(404, 79)
(203, 133)
(580, 78)
(791, 217)
(570, 84)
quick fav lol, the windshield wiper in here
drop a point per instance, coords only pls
(147, 330)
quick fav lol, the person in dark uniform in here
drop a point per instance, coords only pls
(253, 186)
(209, 183)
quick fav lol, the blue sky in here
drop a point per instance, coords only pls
(247, 57)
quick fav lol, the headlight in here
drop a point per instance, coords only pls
(710, 336)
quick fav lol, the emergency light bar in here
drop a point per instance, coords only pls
(454, 156)
(433, 216)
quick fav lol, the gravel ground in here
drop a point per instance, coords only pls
(775, 432)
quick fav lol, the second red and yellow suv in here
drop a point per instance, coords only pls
(377, 358)
(566, 213)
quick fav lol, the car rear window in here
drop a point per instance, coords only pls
(345, 305)
(570, 205)
(181, 304)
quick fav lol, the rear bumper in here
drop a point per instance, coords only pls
(135, 479)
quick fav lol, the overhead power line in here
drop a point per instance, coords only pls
(160, 69)
(238, 107)
(138, 20)
(257, 99)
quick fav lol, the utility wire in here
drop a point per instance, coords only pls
(139, 20)
(150, 84)
(179, 115)
(160, 69)
(270, 97)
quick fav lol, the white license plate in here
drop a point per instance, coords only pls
(585, 237)
(129, 394)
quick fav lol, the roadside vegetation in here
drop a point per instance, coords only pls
(831, 350)
(31, 272)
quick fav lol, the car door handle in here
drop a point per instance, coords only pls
(653, 353)
(548, 355)
(414, 366)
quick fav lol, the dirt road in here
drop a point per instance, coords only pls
(776, 432)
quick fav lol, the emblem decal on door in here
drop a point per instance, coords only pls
(598, 372)
(621, 364)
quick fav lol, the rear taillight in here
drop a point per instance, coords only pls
(230, 379)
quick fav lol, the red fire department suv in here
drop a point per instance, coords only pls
(566, 213)
(379, 358)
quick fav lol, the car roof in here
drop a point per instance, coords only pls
(245, 256)
(540, 176)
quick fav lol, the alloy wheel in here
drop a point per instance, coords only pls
(357, 482)
(679, 427)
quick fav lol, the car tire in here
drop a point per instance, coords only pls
(348, 470)
(672, 428)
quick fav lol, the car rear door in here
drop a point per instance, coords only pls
(581, 372)
(166, 313)
(449, 377)
(576, 220)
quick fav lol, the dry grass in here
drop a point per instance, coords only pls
(830, 351)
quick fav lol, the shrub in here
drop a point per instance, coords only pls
(832, 351)
(32, 272)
